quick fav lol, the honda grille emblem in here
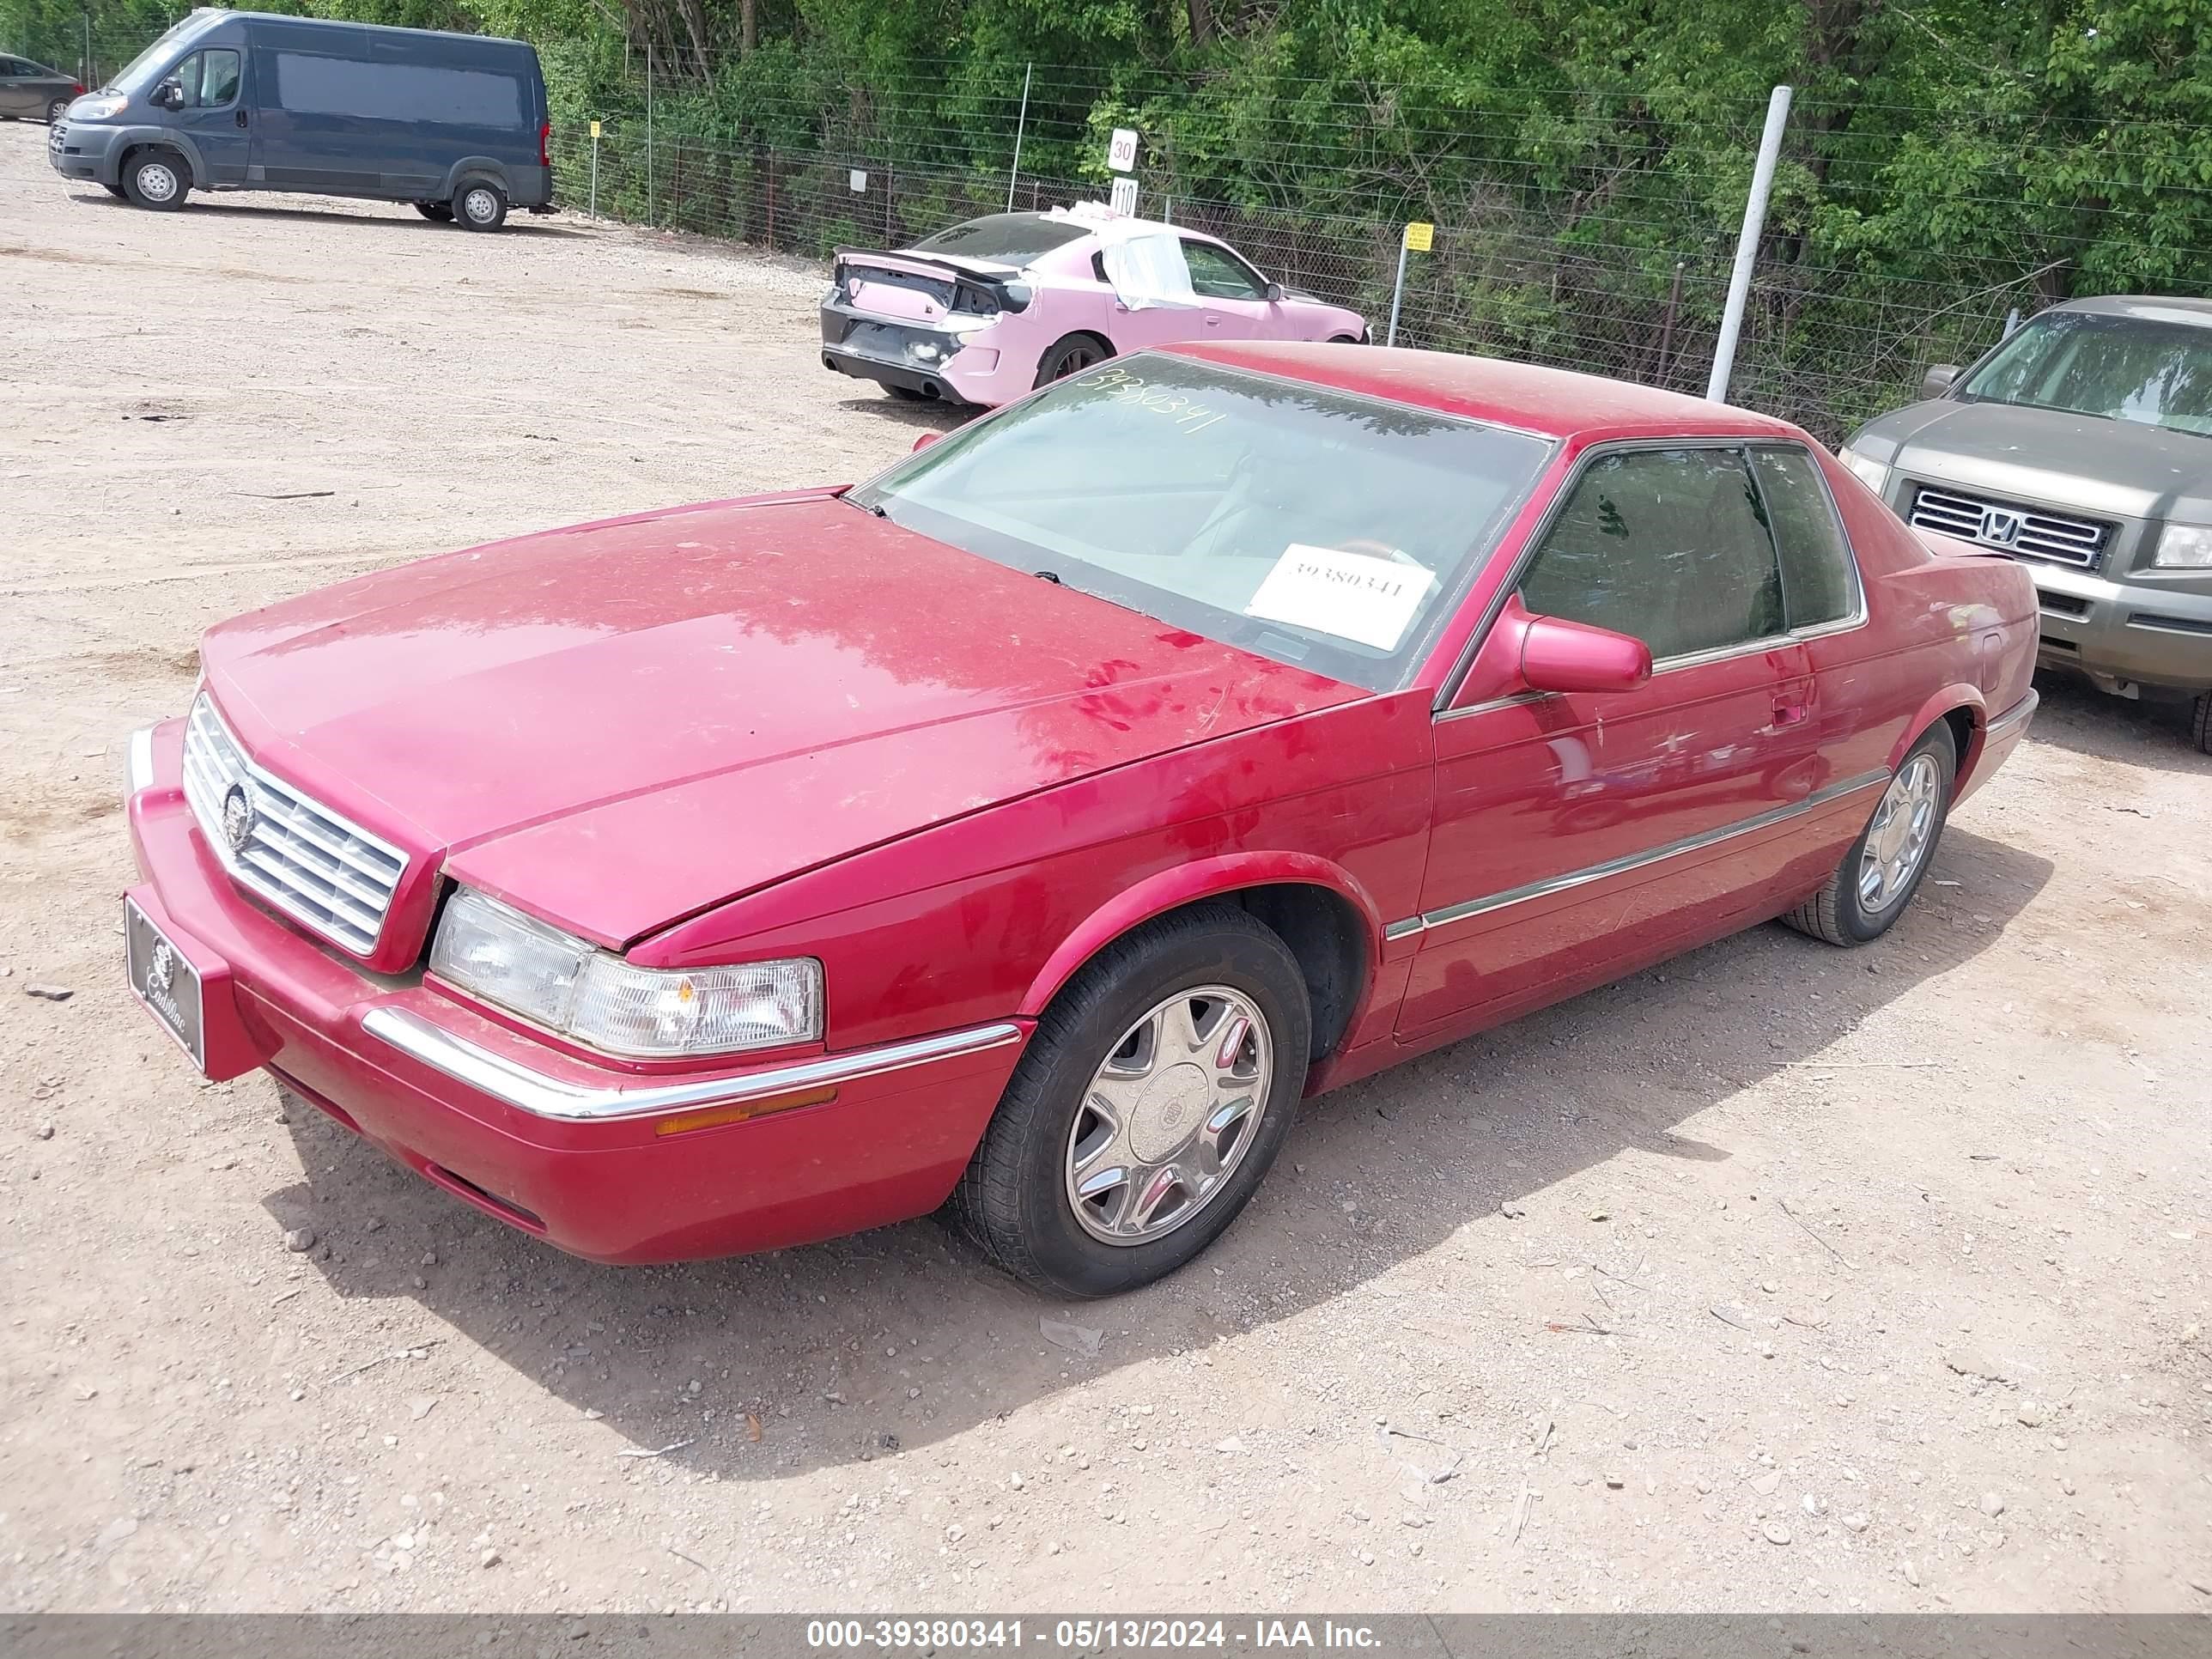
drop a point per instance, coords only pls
(2000, 526)
(237, 818)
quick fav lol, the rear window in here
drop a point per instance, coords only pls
(1013, 239)
(309, 84)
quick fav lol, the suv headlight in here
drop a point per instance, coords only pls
(2184, 546)
(1875, 475)
(556, 980)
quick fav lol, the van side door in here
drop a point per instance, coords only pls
(210, 106)
(318, 103)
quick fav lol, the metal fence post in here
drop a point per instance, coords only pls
(648, 132)
(1747, 245)
(1021, 122)
(595, 169)
(1397, 292)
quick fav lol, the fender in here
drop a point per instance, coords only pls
(155, 138)
(1959, 694)
(476, 169)
(1170, 890)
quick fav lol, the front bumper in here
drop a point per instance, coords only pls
(2123, 634)
(81, 149)
(576, 1152)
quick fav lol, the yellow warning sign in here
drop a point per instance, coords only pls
(1420, 237)
(595, 129)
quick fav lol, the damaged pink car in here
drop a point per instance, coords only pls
(995, 306)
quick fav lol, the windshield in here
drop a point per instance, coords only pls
(146, 68)
(1013, 239)
(2124, 368)
(1330, 531)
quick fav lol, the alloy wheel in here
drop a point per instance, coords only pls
(1903, 830)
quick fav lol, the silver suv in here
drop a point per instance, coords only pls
(2082, 446)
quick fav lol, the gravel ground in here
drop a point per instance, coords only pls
(1898, 1257)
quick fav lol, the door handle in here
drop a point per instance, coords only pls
(1788, 707)
(1212, 321)
(241, 117)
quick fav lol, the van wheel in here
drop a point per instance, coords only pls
(442, 212)
(1157, 1090)
(156, 179)
(480, 207)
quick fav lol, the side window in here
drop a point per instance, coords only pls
(10, 68)
(218, 78)
(187, 78)
(1818, 580)
(310, 84)
(1665, 545)
(1219, 275)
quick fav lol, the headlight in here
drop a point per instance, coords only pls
(2187, 546)
(556, 980)
(1875, 475)
(96, 108)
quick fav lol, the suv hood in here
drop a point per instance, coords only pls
(617, 725)
(2117, 469)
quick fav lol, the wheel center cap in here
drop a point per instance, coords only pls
(1171, 1106)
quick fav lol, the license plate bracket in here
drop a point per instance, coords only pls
(166, 982)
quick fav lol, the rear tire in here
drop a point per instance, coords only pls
(157, 179)
(1071, 355)
(1884, 867)
(2200, 724)
(1125, 1077)
(437, 212)
(479, 207)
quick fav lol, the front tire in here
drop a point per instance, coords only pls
(2200, 722)
(1155, 1094)
(117, 192)
(157, 179)
(480, 207)
(1071, 355)
(441, 213)
(1884, 867)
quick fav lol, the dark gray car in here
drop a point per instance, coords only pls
(32, 92)
(2082, 446)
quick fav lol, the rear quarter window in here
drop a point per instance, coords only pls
(1820, 581)
(309, 84)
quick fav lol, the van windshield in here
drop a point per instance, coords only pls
(143, 71)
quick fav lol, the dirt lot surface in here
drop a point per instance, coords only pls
(1901, 1256)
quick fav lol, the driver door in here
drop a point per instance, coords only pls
(1232, 295)
(1580, 836)
(215, 113)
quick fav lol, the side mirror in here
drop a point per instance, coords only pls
(924, 441)
(170, 94)
(1567, 656)
(1939, 379)
(1277, 291)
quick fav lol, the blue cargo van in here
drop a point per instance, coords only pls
(455, 124)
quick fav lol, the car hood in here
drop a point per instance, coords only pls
(2119, 469)
(617, 725)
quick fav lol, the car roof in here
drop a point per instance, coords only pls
(2153, 307)
(1557, 403)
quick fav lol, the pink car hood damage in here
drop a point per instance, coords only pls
(618, 725)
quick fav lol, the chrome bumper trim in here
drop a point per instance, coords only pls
(2018, 714)
(541, 1096)
(1621, 867)
(138, 764)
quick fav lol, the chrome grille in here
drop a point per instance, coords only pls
(2009, 529)
(316, 867)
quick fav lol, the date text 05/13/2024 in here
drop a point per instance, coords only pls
(941, 1635)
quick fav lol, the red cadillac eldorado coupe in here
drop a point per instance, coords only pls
(1026, 831)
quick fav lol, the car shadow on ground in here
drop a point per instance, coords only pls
(519, 223)
(930, 416)
(2152, 731)
(844, 1352)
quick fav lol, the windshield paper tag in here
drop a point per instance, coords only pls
(1351, 595)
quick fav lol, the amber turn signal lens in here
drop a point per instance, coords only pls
(737, 1111)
